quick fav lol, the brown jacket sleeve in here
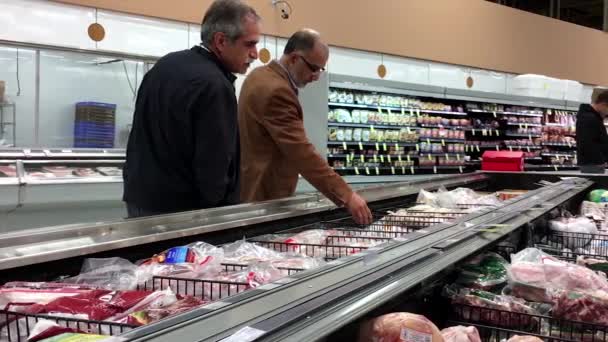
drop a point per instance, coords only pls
(286, 128)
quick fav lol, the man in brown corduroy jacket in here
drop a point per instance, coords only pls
(274, 145)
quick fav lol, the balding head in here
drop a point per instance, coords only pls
(305, 56)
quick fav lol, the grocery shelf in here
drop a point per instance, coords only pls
(504, 113)
(548, 166)
(378, 156)
(411, 111)
(559, 144)
(527, 147)
(569, 155)
(554, 124)
(462, 141)
(369, 126)
(462, 128)
(522, 124)
(368, 143)
(522, 135)
(450, 154)
(533, 158)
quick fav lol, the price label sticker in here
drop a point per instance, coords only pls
(497, 149)
(458, 157)
(528, 148)
(442, 142)
(417, 112)
(360, 146)
(447, 157)
(402, 111)
(407, 129)
(477, 146)
(392, 169)
(497, 133)
(430, 156)
(460, 168)
(511, 148)
(399, 158)
(520, 126)
(362, 158)
(473, 131)
(411, 111)
(417, 147)
(356, 170)
(389, 111)
(494, 113)
(402, 170)
(555, 167)
(371, 128)
(377, 171)
(379, 110)
(411, 170)
(408, 158)
(367, 170)
(384, 147)
(569, 143)
(397, 146)
(484, 132)
(490, 132)
(466, 148)
(344, 146)
(526, 126)
(389, 158)
(530, 137)
(434, 169)
(382, 158)
(375, 158)
(428, 141)
(377, 147)
(348, 158)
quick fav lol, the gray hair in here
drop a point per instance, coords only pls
(303, 40)
(225, 16)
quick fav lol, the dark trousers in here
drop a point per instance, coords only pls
(597, 169)
(135, 211)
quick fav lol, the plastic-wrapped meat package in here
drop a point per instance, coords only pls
(242, 252)
(460, 334)
(428, 198)
(583, 307)
(154, 314)
(252, 277)
(291, 262)
(59, 171)
(532, 272)
(40, 175)
(594, 211)
(86, 172)
(94, 305)
(581, 225)
(600, 265)
(154, 300)
(399, 326)
(195, 260)
(312, 237)
(484, 271)
(110, 171)
(49, 331)
(8, 170)
(107, 273)
(479, 299)
(19, 299)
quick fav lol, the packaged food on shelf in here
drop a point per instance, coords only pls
(524, 338)
(356, 116)
(460, 334)
(8, 171)
(484, 271)
(380, 135)
(340, 134)
(331, 116)
(399, 326)
(348, 134)
(111, 171)
(343, 116)
(365, 135)
(364, 116)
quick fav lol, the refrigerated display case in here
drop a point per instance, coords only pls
(60, 186)
(397, 263)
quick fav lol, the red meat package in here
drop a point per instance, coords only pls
(18, 296)
(95, 305)
(582, 307)
(461, 334)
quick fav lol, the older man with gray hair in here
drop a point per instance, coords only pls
(274, 145)
(183, 152)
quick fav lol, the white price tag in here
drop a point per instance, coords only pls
(247, 334)
(392, 169)
(377, 171)
(356, 170)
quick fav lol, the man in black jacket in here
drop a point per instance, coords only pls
(183, 151)
(591, 137)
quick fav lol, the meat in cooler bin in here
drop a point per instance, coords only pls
(200, 273)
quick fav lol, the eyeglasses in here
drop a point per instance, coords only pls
(313, 68)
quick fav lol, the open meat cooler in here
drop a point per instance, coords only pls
(43, 187)
(488, 251)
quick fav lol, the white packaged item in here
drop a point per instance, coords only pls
(365, 135)
(357, 134)
(363, 116)
(348, 134)
(356, 116)
(340, 134)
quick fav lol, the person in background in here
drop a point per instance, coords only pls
(591, 137)
(183, 151)
(274, 145)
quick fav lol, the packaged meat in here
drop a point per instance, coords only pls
(108, 273)
(399, 326)
(312, 236)
(460, 334)
(153, 300)
(93, 305)
(533, 272)
(574, 225)
(49, 331)
(582, 307)
(153, 314)
(600, 265)
(19, 299)
(86, 172)
(110, 171)
(194, 260)
(8, 171)
(235, 282)
(484, 271)
(242, 252)
(59, 171)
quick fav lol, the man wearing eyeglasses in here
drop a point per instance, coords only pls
(274, 145)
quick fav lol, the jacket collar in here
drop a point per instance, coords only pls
(589, 108)
(203, 51)
(281, 70)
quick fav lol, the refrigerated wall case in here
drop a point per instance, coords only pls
(394, 128)
(403, 270)
(42, 187)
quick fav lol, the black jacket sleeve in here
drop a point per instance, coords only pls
(215, 135)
